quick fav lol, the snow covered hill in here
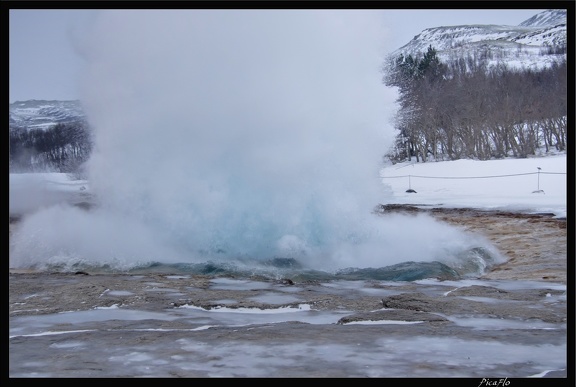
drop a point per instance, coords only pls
(535, 43)
(551, 17)
(34, 114)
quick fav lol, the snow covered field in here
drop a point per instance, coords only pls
(508, 184)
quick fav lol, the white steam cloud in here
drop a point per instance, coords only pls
(237, 133)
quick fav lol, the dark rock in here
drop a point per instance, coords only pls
(393, 315)
(454, 305)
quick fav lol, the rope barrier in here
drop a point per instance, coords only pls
(473, 177)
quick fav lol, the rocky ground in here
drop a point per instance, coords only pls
(535, 244)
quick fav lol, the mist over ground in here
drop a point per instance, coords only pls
(236, 134)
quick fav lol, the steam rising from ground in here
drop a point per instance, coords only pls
(234, 134)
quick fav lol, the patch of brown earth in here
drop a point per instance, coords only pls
(534, 244)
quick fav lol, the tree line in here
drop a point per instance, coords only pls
(447, 111)
(468, 109)
(63, 147)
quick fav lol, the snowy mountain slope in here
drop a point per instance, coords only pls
(532, 44)
(550, 17)
(34, 114)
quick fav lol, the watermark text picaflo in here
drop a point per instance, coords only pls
(494, 382)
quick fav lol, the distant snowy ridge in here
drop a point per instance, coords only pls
(34, 114)
(550, 17)
(532, 44)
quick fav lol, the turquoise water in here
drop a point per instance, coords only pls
(471, 263)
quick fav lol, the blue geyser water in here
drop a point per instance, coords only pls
(233, 138)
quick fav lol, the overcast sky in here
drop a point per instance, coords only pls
(44, 59)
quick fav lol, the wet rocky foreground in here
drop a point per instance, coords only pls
(512, 323)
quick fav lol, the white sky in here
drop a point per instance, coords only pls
(44, 64)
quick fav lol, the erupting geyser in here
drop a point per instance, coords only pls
(233, 135)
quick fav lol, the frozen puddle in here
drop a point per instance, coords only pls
(190, 354)
(289, 338)
(495, 323)
(224, 316)
(37, 325)
(190, 314)
(233, 284)
(499, 284)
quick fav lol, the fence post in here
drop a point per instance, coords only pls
(410, 190)
(538, 190)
